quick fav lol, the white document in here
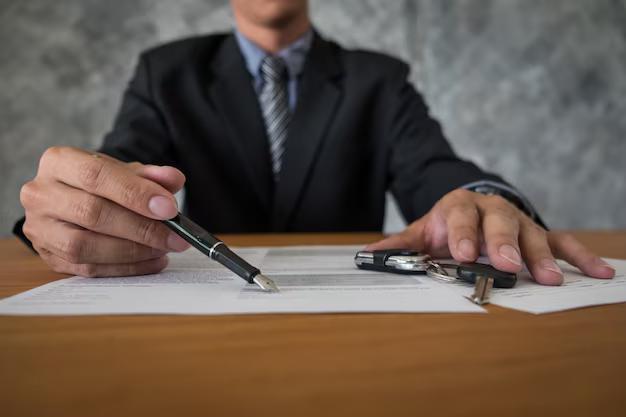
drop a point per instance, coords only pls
(315, 279)
(577, 291)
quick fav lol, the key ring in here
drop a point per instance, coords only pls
(438, 271)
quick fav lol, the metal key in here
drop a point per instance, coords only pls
(482, 290)
(484, 277)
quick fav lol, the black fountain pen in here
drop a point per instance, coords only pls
(217, 250)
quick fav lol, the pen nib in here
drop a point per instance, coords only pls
(265, 283)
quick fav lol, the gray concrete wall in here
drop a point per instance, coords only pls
(532, 89)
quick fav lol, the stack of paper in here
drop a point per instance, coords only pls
(313, 279)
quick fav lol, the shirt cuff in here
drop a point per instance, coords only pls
(488, 187)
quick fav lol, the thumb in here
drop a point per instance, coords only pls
(397, 241)
(411, 238)
(403, 240)
(168, 177)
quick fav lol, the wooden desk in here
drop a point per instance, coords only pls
(501, 364)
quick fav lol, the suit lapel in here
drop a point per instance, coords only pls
(318, 97)
(233, 95)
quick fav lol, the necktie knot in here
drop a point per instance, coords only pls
(273, 69)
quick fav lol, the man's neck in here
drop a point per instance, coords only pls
(270, 39)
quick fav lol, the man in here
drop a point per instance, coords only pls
(276, 129)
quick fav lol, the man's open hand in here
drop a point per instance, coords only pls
(91, 215)
(464, 223)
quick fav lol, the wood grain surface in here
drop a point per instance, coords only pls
(505, 363)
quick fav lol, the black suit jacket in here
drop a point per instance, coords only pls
(358, 130)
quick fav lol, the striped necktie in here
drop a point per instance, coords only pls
(275, 106)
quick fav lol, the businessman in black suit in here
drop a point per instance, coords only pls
(276, 129)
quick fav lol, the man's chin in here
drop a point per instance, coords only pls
(281, 21)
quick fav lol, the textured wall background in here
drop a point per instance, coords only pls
(533, 89)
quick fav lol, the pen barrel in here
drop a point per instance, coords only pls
(232, 261)
(192, 233)
(211, 246)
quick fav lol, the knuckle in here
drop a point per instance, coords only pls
(466, 230)
(461, 194)
(88, 211)
(149, 232)
(50, 159)
(463, 217)
(130, 193)
(536, 234)
(51, 154)
(28, 229)
(28, 194)
(90, 174)
(87, 270)
(499, 238)
(55, 264)
(74, 247)
(464, 210)
(458, 201)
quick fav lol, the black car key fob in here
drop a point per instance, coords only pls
(397, 261)
(470, 271)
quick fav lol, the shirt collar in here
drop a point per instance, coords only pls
(293, 54)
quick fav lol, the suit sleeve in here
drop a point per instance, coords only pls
(422, 165)
(140, 131)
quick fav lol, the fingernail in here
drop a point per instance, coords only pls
(601, 262)
(162, 207)
(176, 243)
(550, 265)
(466, 248)
(511, 254)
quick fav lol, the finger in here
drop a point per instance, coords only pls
(57, 264)
(108, 179)
(397, 241)
(462, 222)
(500, 226)
(80, 246)
(537, 255)
(169, 177)
(411, 238)
(71, 205)
(567, 247)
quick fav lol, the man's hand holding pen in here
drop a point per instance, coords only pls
(91, 215)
